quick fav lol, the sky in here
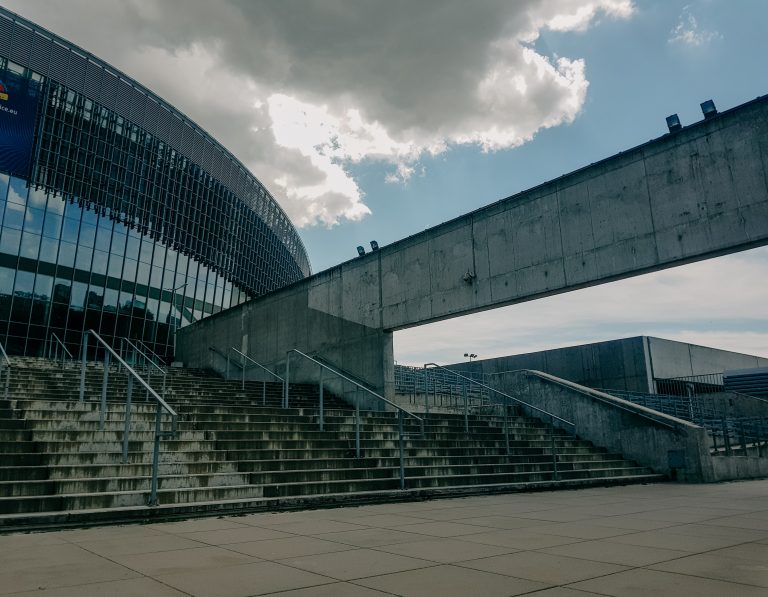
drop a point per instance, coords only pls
(376, 119)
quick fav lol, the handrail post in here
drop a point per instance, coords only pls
(287, 378)
(357, 425)
(322, 414)
(242, 384)
(555, 473)
(155, 459)
(426, 390)
(466, 410)
(263, 393)
(104, 385)
(506, 424)
(82, 368)
(226, 374)
(127, 426)
(402, 448)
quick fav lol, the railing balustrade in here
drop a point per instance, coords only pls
(506, 399)
(5, 369)
(162, 405)
(150, 363)
(360, 387)
(56, 347)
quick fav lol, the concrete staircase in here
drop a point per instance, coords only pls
(237, 450)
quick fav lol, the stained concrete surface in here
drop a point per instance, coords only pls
(663, 539)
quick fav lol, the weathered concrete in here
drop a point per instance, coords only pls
(626, 364)
(687, 196)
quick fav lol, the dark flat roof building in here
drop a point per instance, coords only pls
(117, 212)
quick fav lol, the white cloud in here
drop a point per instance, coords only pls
(687, 31)
(302, 89)
(701, 303)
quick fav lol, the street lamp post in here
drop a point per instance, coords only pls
(470, 355)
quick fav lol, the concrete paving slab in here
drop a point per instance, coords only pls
(450, 581)
(717, 566)
(543, 567)
(652, 583)
(687, 540)
(242, 581)
(445, 550)
(356, 564)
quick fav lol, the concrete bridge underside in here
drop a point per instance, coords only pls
(690, 195)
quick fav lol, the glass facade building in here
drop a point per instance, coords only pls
(117, 212)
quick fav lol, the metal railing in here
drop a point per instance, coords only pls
(162, 405)
(150, 364)
(401, 412)
(730, 434)
(243, 366)
(689, 408)
(505, 404)
(56, 347)
(691, 385)
(5, 367)
(441, 386)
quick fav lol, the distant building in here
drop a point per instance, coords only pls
(117, 212)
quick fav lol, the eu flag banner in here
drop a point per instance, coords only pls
(18, 112)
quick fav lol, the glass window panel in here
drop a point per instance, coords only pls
(30, 245)
(14, 216)
(89, 216)
(67, 254)
(37, 198)
(70, 230)
(43, 287)
(84, 255)
(49, 250)
(115, 266)
(77, 299)
(146, 250)
(10, 240)
(52, 225)
(143, 274)
(100, 259)
(110, 300)
(25, 283)
(118, 242)
(134, 242)
(17, 191)
(87, 235)
(156, 279)
(6, 280)
(62, 290)
(129, 270)
(56, 205)
(95, 298)
(33, 220)
(159, 257)
(103, 235)
(3, 186)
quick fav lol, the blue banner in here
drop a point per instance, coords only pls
(18, 115)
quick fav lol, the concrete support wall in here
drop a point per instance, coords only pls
(616, 364)
(678, 359)
(680, 450)
(694, 194)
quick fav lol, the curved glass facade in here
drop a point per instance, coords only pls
(129, 221)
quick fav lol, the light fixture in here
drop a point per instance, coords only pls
(374, 245)
(708, 109)
(470, 355)
(673, 123)
(360, 251)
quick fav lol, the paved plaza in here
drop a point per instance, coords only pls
(662, 539)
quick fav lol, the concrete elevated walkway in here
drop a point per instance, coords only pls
(661, 539)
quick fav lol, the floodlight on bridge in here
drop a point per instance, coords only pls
(673, 123)
(374, 245)
(708, 109)
(360, 251)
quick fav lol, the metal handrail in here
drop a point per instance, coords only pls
(150, 351)
(245, 356)
(243, 368)
(161, 405)
(614, 402)
(56, 352)
(148, 360)
(7, 366)
(487, 387)
(401, 412)
(553, 417)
